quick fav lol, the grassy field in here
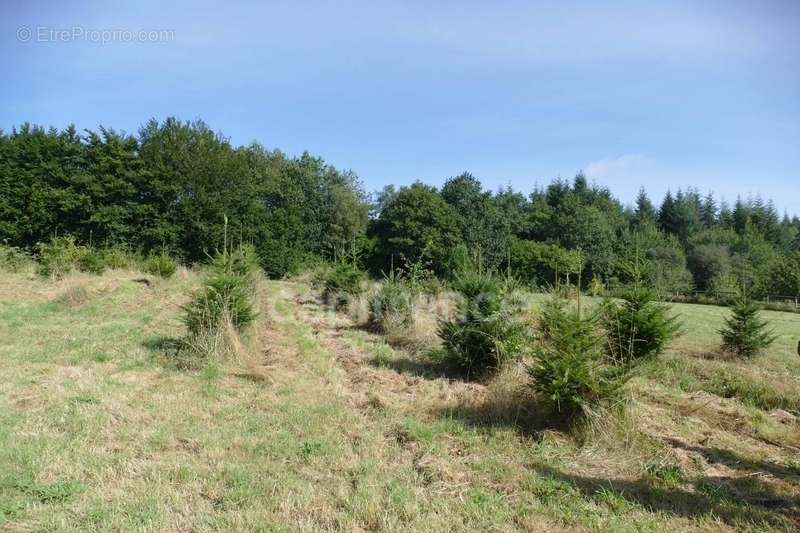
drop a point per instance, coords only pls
(326, 426)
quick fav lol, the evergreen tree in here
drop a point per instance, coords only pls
(667, 215)
(645, 213)
(745, 333)
(708, 210)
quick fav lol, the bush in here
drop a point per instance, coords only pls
(58, 257)
(570, 372)
(117, 257)
(225, 297)
(242, 261)
(160, 264)
(222, 309)
(638, 326)
(14, 259)
(745, 333)
(391, 310)
(340, 283)
(91, 260)
(488, 330)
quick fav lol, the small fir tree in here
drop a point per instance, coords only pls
(745, 333)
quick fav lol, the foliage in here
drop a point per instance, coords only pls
(92, 260)
(59, 256)
(569, 371)
(481, 219)
(539, 263)
(160, 264)
(341, 282)
(172, 185)
(242, 261)
(784, 276)
(169, 187)
(14, 259)
(745, 333)
(223, 308)
(637, 326)
(118, 257)
(578, 216)
(660, 257)
(391, 309)
(488, 330)
(416, 225)
(225, 296)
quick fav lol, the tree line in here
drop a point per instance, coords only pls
(181, 187)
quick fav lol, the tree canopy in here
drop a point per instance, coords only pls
(179, 186)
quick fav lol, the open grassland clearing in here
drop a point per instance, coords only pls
(326, 425)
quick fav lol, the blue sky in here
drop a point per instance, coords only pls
(660, 94)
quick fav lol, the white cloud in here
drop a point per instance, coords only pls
(625, 168)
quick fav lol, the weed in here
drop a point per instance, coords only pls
(59, 256)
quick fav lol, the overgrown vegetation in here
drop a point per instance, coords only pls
(160, 264)
(746, 333)
(14, 259)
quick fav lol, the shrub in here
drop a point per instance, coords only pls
(242, 261)
(222, 309)
(160, 264)
(570, 372)
(488, 330)
(91, 260)
(340, 283)
(14, 259)
(224, 297)
(638, 326)
(117, 257)
(745, 333)
(59, 256)
(391, 310)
